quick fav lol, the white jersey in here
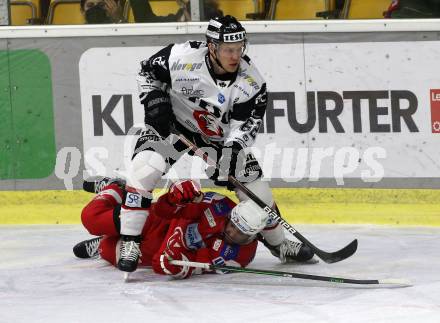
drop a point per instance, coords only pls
(220, 109)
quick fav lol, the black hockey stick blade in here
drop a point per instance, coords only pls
(344, 253)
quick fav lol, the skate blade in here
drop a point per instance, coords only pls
(126, 277)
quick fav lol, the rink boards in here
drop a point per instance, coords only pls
(350, 103)
(350, 134)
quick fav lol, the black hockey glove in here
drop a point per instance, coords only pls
(158, 112)
(232, 155)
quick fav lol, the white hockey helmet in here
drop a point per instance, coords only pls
(249, 218)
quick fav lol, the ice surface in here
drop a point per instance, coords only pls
(41, 281)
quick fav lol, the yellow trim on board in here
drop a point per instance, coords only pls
(297, 205)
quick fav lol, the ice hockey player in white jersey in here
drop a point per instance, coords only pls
(211, 93)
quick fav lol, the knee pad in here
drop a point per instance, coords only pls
(133, 221)
(145, 171)
(259, 188)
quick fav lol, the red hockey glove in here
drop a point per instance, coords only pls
(183, 192)
(178, 272)
(175, 250)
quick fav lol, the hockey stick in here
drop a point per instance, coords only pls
(385, 282)
(328, 257)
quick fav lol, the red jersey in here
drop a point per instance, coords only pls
(201, 226)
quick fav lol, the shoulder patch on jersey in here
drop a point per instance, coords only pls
(229, 251)
(221, 208)
(210, 218)
(247, 59)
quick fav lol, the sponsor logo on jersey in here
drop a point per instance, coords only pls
(133, 200)
(210, 218)
(222, 84)
(193, 238)
(208, 124)
(177, 66)
(229, 251)
(242, 90)
(217, 244)
(249, 79)
(191, 92)
(221, 98)
(188, 79)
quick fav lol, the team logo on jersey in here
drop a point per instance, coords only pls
(221, 98)
(208, 124)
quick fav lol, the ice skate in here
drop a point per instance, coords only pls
(87, 248)
(129, 253)
(95, 184)
(290, 252)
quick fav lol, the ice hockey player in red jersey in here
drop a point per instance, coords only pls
(184, 224)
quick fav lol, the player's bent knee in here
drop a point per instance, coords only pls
(88, 219)
(146, 170)
(259, 188)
